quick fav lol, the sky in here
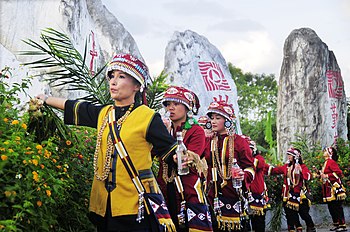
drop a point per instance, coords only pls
(249, 33)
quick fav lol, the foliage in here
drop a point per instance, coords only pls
(155, 91)
(65, 66)
(257, 93)
(257, 105)
(46, 166)
(38, 179)
(256, 130)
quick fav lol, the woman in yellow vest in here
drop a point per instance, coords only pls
(115, 200)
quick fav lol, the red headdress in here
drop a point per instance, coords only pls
(223, 108)
(130, 65)
(182, 95)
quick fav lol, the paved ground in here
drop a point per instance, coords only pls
(320, 229)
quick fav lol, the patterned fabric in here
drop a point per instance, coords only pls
(293, 183)
(202, 120)
(198, 217)
(332, 188)
(182, 95)
(231, 210)
(258, 188)
(293, 152)
(258, 204)
(223, 108)
(156, 203)
(130, 65)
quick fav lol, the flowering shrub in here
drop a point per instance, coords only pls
(44, 186)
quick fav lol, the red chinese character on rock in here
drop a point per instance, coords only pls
(335, 137)
(334, 115)
(93, 53)
(213, 77)
(335, 84)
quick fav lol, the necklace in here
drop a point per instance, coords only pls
(122, 119)
(295, 178)
(109, 151)
(219, 163)
(107, 162)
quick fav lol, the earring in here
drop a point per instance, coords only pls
(190, 117)
(208, 126)
(229, 127)
(227, 124)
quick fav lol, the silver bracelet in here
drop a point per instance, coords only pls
(45, 98)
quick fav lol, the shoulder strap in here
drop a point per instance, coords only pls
(125, 158)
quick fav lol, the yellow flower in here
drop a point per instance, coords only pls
(2, 149)
(24, 126)
(14, 193)
(17, 138)
(6, 119)
(10, 150)
(35, 162)
(39, 203)
(28, 148)
(15, 122)
(4, 157)
(65, 169)
(7, 193)
(58, 166)
(24, 161)
(47, 154)
(48, 192)
(35, 176)
(39, 147)
(54, 160)
(68, 142)
(6, 142)
(42, 166)
(38, 189)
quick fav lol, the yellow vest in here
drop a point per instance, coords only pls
(124, 198)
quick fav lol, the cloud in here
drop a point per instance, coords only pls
(345, 8)
(155, 67)
(236, 25)
(200, 7)
(256, 53)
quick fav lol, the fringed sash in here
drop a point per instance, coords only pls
(159, 210)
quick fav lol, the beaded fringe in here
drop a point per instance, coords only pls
(228, 223)
(257, 210)
(292, 205)
(168, 224)
(341, 197)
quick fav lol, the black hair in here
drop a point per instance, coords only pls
(335, 155)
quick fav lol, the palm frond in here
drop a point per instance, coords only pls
(63, 65)
(155, 91)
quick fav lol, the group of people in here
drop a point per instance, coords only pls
(224, 189)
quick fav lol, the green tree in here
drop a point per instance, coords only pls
(257, 93)
(257, 97)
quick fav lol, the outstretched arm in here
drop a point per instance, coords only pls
(53, 101)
